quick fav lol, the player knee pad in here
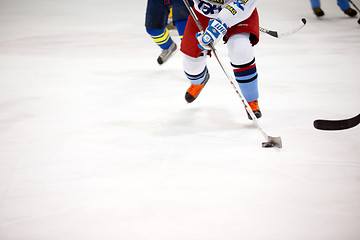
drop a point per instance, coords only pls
(240, 49)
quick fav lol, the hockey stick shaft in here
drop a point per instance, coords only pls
(278, 34)
(275, 141)
(272, 33)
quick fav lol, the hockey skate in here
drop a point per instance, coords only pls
(255, 108)
(350, 12)
(167, 53)
(318, 12)
(194, 90)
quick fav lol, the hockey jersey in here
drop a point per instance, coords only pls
(230, 12)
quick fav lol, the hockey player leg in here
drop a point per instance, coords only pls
(180, 26)
(180, 16)
(242, 59)
(163, 40)
(345, 7)
(315, 5)
(155, 22)
(196, 71)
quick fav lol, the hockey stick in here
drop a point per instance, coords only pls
(331, 125)
(271, 141)
(278, 34)
(356, 9)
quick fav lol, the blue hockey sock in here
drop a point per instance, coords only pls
(315, 4)
(343, 4)
(199, 78)
(246, 76)
(161, 37)
(180, 26)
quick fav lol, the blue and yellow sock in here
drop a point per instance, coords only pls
(161, 37)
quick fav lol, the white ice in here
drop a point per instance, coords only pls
(97, 141)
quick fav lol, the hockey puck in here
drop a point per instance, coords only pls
(268, 144)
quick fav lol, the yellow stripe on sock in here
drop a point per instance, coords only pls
(162, 38)
(162, 42)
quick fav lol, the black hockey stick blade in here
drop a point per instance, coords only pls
(272, 142)
(333, 125)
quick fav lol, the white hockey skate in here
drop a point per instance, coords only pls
(167, 53)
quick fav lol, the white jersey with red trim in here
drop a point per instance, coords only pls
(228, 11)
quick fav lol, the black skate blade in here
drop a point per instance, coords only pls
(272, 142)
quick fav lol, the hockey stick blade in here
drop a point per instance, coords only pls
(333, 125)
(278, 34)
(272, 142)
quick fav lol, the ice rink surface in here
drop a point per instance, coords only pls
(97, 141)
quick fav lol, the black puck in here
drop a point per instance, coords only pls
(268, 144)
